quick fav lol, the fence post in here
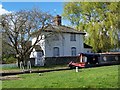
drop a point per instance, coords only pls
(77, 69)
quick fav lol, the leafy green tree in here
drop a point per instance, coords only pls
(98, 19)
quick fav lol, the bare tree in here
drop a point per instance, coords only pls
(0, 46)
(20, 26)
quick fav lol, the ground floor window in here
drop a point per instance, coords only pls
(73, 51)
(56, 51)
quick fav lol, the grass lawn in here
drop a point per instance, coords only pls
(100, 77)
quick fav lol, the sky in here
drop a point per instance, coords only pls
(54, 8)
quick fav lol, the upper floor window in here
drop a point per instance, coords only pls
(73, 51)
(56, 51)
(73, 37)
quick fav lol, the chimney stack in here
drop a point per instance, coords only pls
(58, 20)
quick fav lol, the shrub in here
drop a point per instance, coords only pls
(9, 59)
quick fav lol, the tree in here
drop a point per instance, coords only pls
(0, 46)
(7, 51)
(98, 19)
(19, 28)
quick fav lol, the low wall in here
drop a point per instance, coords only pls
(59, 60)
(8, 65)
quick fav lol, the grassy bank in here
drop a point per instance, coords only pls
(99, 77)
(14, 69)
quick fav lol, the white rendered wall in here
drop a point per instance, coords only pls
(69, 44)
(50, 43)
(41, 43)
(64, 45)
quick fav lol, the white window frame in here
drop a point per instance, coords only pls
(73, 51)
(72, 37)
(56, 51)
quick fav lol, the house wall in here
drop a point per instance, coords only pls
(41, 43)
(69, 44)
(64, 45)
(49, 42)
(38, 61)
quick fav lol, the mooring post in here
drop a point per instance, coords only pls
(29, 66)
(22, 66)
(77, 69)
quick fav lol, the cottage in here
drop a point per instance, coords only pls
(58, 41)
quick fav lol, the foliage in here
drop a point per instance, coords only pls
(9, 58)
(6, 48)
(19, 28)
(99, 77)
(8, 52)
(100, 21)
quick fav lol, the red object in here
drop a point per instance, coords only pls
(79, 64)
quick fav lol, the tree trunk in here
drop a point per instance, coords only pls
(18, 62)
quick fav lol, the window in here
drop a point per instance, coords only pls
(116, 58)
(73, 51)
(56, 51)
(73, 37)
(105, 58)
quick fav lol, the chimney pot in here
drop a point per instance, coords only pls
(58, 20)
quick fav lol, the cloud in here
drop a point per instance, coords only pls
(2, 10)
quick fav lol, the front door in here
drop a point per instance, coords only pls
(40, 59)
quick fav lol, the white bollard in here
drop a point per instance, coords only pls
(22, 66)
(30, 71)
(77, 69)
(29, 65)
(39, 74)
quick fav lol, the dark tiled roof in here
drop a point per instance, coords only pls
(87, 46)
(63, 29)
